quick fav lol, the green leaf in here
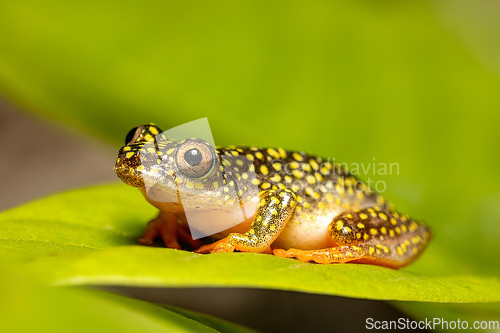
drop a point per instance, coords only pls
(103, 223)
(26, 306)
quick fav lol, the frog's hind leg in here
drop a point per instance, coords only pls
(340, 254)
(373, 235)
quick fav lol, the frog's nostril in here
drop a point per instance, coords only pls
(131, 136)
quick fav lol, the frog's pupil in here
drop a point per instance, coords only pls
(193, 157)
(130, 135)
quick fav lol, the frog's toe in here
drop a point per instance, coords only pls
(209, 247)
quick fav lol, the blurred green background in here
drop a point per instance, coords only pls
(410, 82)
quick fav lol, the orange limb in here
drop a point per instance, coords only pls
(167, 227)
(324, 256)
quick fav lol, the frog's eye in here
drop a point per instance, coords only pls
(195, 158)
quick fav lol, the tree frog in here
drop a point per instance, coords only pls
(305, 207)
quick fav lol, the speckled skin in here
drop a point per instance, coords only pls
(303, 206)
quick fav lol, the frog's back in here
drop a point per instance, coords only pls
(324, 191)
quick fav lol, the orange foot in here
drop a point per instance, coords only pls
(323, 256)
(171, 232)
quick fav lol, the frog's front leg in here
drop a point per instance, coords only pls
(373, 235)
(166, 226)
(275, 210)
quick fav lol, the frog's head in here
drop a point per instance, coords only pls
(177, 171)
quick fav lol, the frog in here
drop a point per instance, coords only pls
(304, 207)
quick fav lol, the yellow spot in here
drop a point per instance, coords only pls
(319, 177)
(151, 150)
(393, 221)
(415, 250)
(140, 167)
(316, 195)
(365, 236)
(126, 148)
(215, 185)
(382, 216)
(276, 178)
(314, 164)
(340, 224)
(170, 151)
(231, 183)
(324, 171)
(298, 174)
(403, 246)
(259, 155)
(407, 242)
(363, 216)
(391, 233)
(255, 181)
(404, 228)
(386, 249)
(349, 216)
(400, 252)
(347, 230)
(329, 197)
(250, 157)
(310, 179)
(306, 167)
(129, 155)
(398, 230)
(264, 170)
(244, 176)
(272, 227)
(373, 231)
(358, 235)
(226, 189)
(361, 225)
(295, 188)
(266, 186)
(259, 218)
(273, 153)
(307, 205)
(277, 166)
(383, 230)
(148, 137)
(282, 152)
(297, 157)
(199, 186)
(251, 232)
(235, 153)
(153, 130)
(371, 250)
(288, 179)
(321, 206)
(294, 165)
(226, 197)
(239, 162)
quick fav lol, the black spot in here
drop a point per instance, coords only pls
(193, 157)
(130, 135)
